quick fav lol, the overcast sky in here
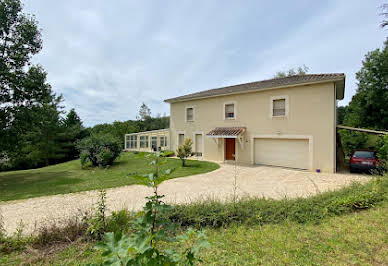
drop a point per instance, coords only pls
(107, 57)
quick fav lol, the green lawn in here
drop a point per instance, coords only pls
(69, 177)
(355, 239)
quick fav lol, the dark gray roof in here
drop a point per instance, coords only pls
(267, 84)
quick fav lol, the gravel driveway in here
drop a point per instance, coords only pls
(260, 181)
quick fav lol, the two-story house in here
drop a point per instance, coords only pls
(287, 122)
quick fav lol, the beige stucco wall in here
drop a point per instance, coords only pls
(157, 133)
(311, 115)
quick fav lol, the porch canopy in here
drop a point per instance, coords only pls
(227, 132)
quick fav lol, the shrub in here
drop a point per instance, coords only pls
(184, 150)
(84, 157)
(383, 151)
(100, 150)
(260, 211)
(67, 231)
(352, 140)
(363, 200)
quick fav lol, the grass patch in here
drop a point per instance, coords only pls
(354, 239)
(69, 177)
(359, 238)
(343, 227)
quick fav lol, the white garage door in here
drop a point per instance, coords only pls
(282, 152)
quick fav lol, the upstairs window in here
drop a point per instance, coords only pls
(229, 111)
(189, 114)
(279, 107)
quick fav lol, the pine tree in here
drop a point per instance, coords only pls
(73, 131)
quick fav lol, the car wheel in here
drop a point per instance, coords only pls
(352, 170)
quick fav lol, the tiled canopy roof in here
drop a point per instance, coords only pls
(227, 131)
(264, 84)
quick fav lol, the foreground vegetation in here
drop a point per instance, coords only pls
(69, 177)
(359, 238)
(344, 227)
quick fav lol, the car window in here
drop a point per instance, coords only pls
(364, 154)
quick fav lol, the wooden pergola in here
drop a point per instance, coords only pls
(363, 130)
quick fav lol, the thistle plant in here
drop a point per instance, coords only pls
(151, 231)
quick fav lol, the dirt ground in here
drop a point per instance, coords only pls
(262, 181)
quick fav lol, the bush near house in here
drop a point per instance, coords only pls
(99, 150)
(383, 151)
(352, 140)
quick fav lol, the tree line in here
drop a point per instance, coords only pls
(369, 106)
(144, 122)
(35, 130)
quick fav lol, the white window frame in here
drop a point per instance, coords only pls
(188, 107)
(127, 141)
(156, 142)
(165, 141)
(235, 110)
(279, 97)
(145, 141)
(203, 142)
(177, 137)
(162, 141)
(133, 142)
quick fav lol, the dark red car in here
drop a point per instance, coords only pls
(363, 160)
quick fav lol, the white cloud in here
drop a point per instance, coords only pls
(106, 58)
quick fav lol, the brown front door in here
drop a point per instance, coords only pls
(230, 149)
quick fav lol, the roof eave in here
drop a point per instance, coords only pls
(340, 83)
(340, 88)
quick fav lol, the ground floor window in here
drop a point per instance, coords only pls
(163, 141)
(154, 143)
(181, 139)
(127, 140)
(198, 145)
(143, 141)
(132, 142)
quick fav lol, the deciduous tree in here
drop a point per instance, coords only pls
(20, 39)
(369, 106)
(144, 112)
